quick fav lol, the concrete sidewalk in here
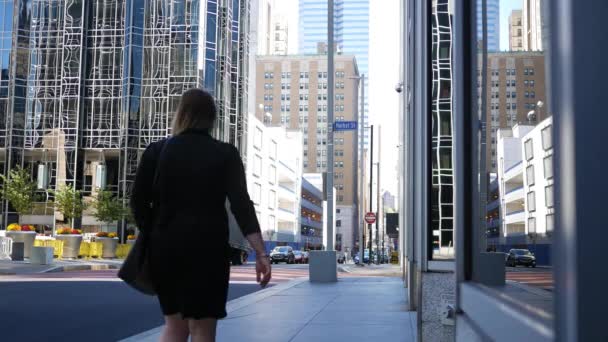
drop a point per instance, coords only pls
(355, 309)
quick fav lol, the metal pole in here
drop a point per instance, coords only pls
(371, 189)
(361, 180)
(378, 212)
(330, 129)
(379, 209)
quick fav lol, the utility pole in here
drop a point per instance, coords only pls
(361, 179)
(371, 188)
(330, 129)
(378, 225)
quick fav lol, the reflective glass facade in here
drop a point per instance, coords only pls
(442, 192)
(493, 27)
(97, 81)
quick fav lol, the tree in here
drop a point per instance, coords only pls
(68, 201)
(18, 188)
(108, 208)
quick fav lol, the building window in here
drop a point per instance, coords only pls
(529, 149)
(530, 175)
(272, 199)
(338, 223)
(550, 223)
(549, 196)
(273, 150)
(257, 193)
(340, 198)
(531, 201)
(547, 137)
(532, 225)
(257, 166)
(548, 166)
(257, 138)
(272, 174)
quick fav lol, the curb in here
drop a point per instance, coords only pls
(68, 268)
(232, 306)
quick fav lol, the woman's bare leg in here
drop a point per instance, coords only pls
(203, 330)
(176, 329)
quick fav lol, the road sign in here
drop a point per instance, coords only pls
(345, 126)
(370, 218)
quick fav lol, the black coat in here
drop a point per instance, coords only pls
(189, 240)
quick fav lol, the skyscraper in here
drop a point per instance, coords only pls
(533, 25)
(94, 82)
(516, 34)
(351, 31)
(493, 10)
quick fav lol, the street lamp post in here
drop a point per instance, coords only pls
(361, 81)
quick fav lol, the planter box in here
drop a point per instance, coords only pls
(26, 237)
(109, 246)
(71, 245)
(131, 242)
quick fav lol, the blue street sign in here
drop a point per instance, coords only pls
(345, 126)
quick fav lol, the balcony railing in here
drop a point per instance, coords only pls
(515, 212)
(311, 206)
(513, 167)
(287, 188)
(516, 189)
(290, 211)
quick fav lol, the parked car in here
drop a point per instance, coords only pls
(520, 257)
(298, 257)
(282, 254)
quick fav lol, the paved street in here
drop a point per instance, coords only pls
(95, 305)
(540, 277)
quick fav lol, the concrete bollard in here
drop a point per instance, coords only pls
(323, 267)
(18, 251)
(41, 255)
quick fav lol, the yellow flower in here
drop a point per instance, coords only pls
(131, 237)
(112, 235)
(14, 227)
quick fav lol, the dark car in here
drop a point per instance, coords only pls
(521, 257)
(282, 254)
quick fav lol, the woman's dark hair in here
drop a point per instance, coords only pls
(196, 110)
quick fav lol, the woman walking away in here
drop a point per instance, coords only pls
(187, 179)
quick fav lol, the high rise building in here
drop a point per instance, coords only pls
(493, 27)
(515, 85)
(533, 25)
(95, 82)
(280, 35)
(516, 33)
(293, 93)
(351, 35)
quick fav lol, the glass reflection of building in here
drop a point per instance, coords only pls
(442, 203)
(85, 86)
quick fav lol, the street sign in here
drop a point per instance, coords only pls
(345, 126)
(370, 218)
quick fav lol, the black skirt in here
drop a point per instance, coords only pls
(190, 280)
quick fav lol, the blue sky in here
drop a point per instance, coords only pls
(506, 6)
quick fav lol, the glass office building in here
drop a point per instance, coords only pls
(351, 34)
(87, 85)
(493, 27)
